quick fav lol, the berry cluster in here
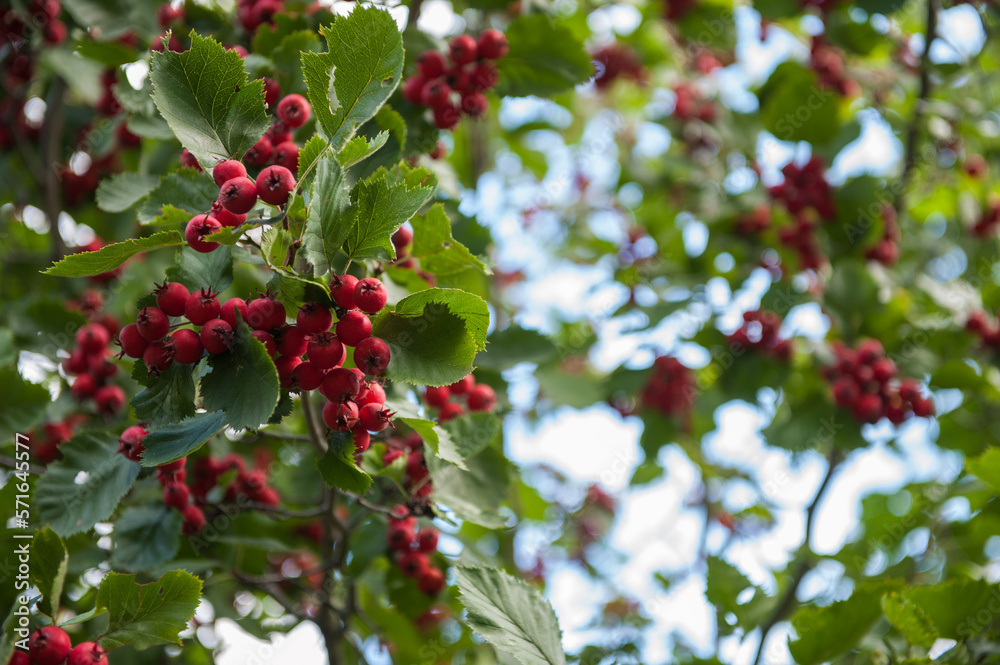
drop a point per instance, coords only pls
(865, 382)
(42, 16)
(90, 362)
(45, 446)
(988, 330)
(670, 388)
(988, 221)
(417, 479)
(805, 187)
(828, 63)
(615, 61)
(691, 104)
(438, 83)
(886, 249)
(413, 549)
(760, 333)
(276, 146)
(755, 221)
(50, 645)
(477, 396)
(801, 236)
(176, 494)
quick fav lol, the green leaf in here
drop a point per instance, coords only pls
(243, 382)
(287, 59)
(172, 442)
(310, 152)
(109, 257)
(167, 398)
(365, 63)
(826, 632)
(204, 96)
(145, 537)
(330, 215)
(84, 487)
(955, 608)
(360, 147)
(178, 197)
(274, 245)
(795, 108)
(545, 58)
(474, 494)
(511, 615)
(909, 620)
(49, 560)
(986, 467)
(380, 205)
(514, 345)
(467, 435)
(433, 335)
(435, 436)
(439, 253)
(122, 191)
(196, 270)
(337, 465)
(145, 615)
(23, 402)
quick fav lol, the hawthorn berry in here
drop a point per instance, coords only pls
(294, 111)
(238, 195)
(259, 153)
(229, 308)
(130, 442)
(413, 564)
(227, 170)
(431, 581)
(361, 439)
(922, 407)
(474, 104)
(450, 411)
(83, 387)
(176, 495)
(463, 385)
(291, 340)
(484, 76)
(372, 355)
(188, 160)
(325, 350)
(413, 89)
(446, 116)
(87, 653)
(109, 400)
(342, 290)
(427, 540)
(416, 467)
(374, 417)
(340, 416)
(194, 520)
(152, 323)
(286, 366)
(307, 376)
(20, 658)
(50, 645)
(226, 218)
(370, 295)
(92, 337)
(265, 313)
(158, 357)
(492, 44)
(271, 91)
(341, 385)
(437, 397)
(201, 307)
(431, 64)
(371, 393)
(463, 49)
(267, 340)
(436, 93)
(171, 297)
(287, 154)
(400, 535)
(274, 184)
(353, 328)
(217, 336)
(278, 133)
(868, 408)
(200, 227)
(314, 317)
(77, 362)
(482, 398)
(402, 240)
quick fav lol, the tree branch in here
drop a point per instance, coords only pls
(315, 432)
(51, 142)
(913, 133)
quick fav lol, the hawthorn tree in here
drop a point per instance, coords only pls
(255, 342)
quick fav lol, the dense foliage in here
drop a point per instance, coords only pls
(270, 267)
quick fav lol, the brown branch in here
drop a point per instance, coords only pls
(51, 142)
(315, 431)
(11, 463)
(414, 15)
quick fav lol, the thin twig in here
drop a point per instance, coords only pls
(913, 133)
(11, 463)
(315, 435)
(51, 142)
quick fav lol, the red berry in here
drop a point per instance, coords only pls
(474, 104)
(226, 218)
(845, 392)
(291, 340)
(238, 195)
(229, 308)
(413, 564)
(463, 49)
(130, 442)
(176, 495)
(340, 416)
(362, 440)
(286, 366)
(463, 385)
(341, 385)
(431, 581)
(20, 658)
(868, 408)
(416, 467)
(158, 357)
(353, 328)
(109, 400)
(372, 355)
(92, 338)
(492, 44)
(271, 91)
(450, 411)
(198, 229)
(228, 170)
(278, 133)
(265, 313)
(868, 350)
(325, 350)
(437, 397)
(427, 540)
(482, 398)
(187, 346)
(274, 184)
(483, 77)
(49, 646)
(201, 307)
(431, 64)
(314, 317)
(217, 336)
(371, 393)
(307, 376)
(402, 239)
(413, 89)
(374, 417)
(909, 390)
(267, 340)
(446, 116)
(83, 387)
(194, 520)
(132, 342)
(152, 323)
(259, 153)
(922, 407)
(436, 93)
(342, 290)
(87, 653)
(400, 535)
(883, 369)
(287, 154)
(294, 111)
(370, 295)
(187, 159)
(78, 362)
(171, 298)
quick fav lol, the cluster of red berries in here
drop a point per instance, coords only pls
(417, 479)
(276, 145)
(755, 221)
(616, 61)
(886, 249)
(670, 388)
(805, 187)
(41, 17)
(90, 362)
(865, 382)
(413, 548)
(828, 63)
(254, 13)
(50, 645)
(45, 445)
(760, 333)
(691, 104)
(987, 329)
(801, 236)
(477, 396)
(176, 495)
(437, 84)
(989, 220)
